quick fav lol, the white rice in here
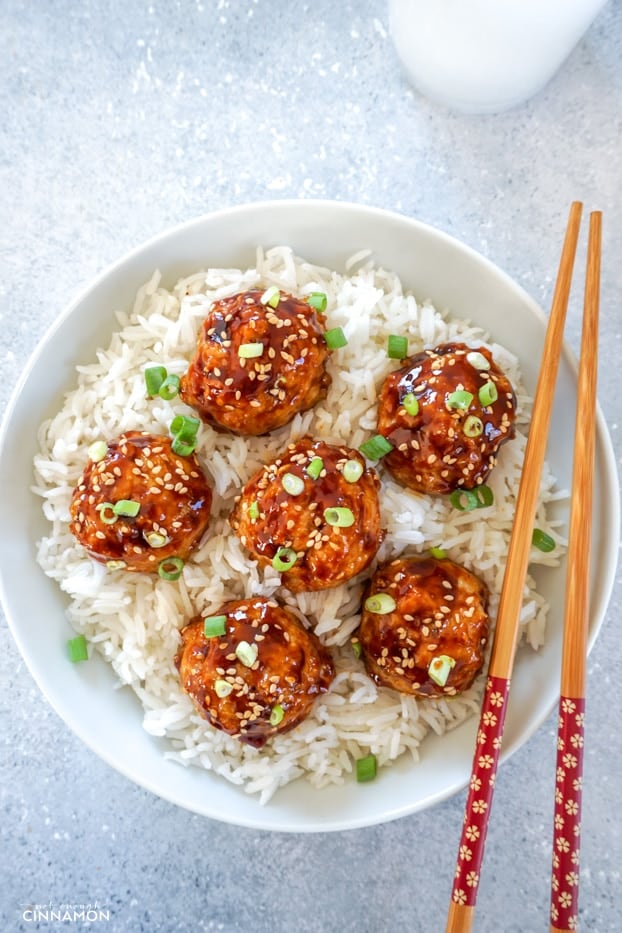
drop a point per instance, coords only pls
(134, 619)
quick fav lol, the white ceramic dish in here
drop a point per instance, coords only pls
(434, 266)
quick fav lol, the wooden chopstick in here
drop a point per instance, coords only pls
(569, 773)
(485, 760)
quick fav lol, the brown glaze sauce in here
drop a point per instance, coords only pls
(255, 395)
(291, 669)
(441, 609)
(327, 555)
(432, 452)
(174, 497)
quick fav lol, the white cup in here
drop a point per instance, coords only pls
(483, 56)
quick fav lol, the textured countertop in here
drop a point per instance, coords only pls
(120, 119)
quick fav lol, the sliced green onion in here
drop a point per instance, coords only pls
(170, 568)
(438, 552)
(376, 447)
(315, 467)
(485, 496)
(542, 541)
(185, 427)
(115, 564)
(253, 510)
(154, 377)
(339, 517)
(128, 508)
(97, 451)
(465, 500)
(488, 394)
(276, 714)
(169, 388)
(397, 347)
(271, 296)
(222, 688)
(248, 351)
(357, 648)
(352, 471)
(292, 484)
(335, 338)
(459, 399)
(380, 603)
(107, 513)
(366, 768)
(246, 654)
(155, 539)
(284, 559)
(411, 404)
(477, 360)
(317, 300)
(214, 625)
(439, 669)
(473, 426)
(182, 449)
(77, 649)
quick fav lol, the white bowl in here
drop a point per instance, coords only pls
(434, 266)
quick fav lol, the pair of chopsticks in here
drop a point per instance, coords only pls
(566, 835)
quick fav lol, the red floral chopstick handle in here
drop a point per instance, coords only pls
(481, 789)
(567, 817)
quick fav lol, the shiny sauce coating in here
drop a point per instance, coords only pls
(440, 612)
(171, 491)
(268, 517)
(286, 373)
(265, 688)
(450, 442)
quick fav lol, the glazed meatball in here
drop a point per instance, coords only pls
(260, 676)
(256, 365)
(446, 413)
(424, 627)
(313, 514)
(140, 504)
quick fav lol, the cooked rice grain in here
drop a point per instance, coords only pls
(134, 619)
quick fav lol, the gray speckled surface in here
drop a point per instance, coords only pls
(120, 119)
